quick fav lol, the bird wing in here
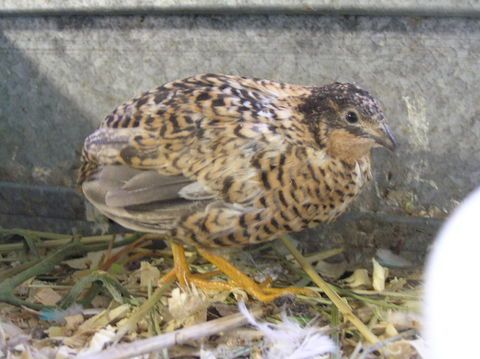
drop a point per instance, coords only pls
(186, 144)
(140, 200)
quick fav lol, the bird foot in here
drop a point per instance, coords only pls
(237, 280)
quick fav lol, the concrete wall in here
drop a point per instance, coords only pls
(59, 76)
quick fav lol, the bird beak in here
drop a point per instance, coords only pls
(386, 138)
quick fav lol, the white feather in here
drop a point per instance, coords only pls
(289, 340)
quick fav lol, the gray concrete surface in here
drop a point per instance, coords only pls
(59, 76)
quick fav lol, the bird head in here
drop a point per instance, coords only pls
(347, 120)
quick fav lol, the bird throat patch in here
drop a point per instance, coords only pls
(347, 146)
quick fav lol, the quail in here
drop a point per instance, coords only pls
(226, 161)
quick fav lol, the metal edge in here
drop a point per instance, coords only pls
(35, 197)
(314, 7)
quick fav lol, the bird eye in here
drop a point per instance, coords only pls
(351, 117)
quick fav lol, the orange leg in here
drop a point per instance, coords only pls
(185, 277)
(259, 291)
(238, 280)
